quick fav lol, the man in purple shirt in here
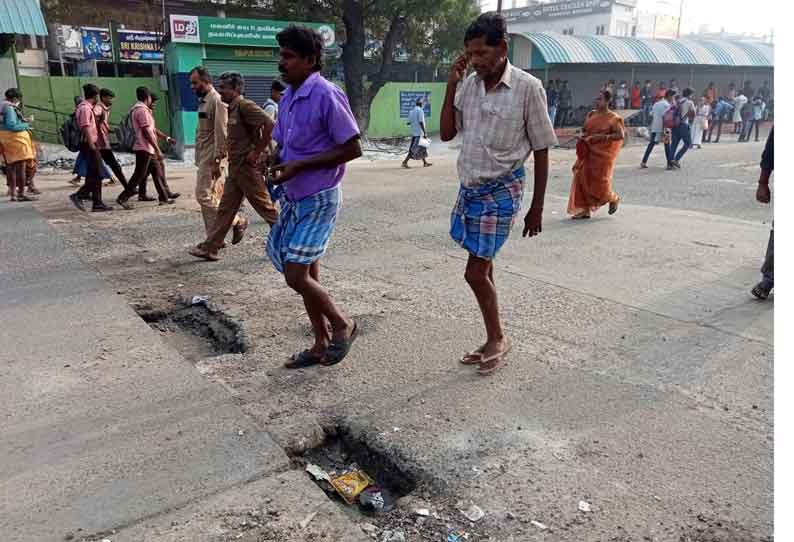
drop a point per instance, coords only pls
(316, 135)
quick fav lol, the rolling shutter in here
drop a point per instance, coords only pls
(258, 76)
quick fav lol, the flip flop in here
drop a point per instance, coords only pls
(338, 350)
(760, 292)
(613, 207)
(307, 358)
(490, 364)
(472, 358)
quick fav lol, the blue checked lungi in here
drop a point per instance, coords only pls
(303, 229)
(483, 216)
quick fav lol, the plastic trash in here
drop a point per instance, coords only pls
(539, 525)
(199, 300)
(584, 506)
(350, 484)
(371, 499)
(317, 472)
(473, 512)
(308, 519)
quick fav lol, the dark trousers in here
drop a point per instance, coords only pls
(714, 124)
(110, 159)
(749, 129)
(768, 269)
(562, 116)
(157, 171)
(655, 138)
(92, 184)
(682, 132)
(143, 162)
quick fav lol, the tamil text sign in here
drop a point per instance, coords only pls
(408, 101)
(137, 46)
(237, 32)
(557, 10)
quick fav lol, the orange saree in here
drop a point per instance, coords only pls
(595, 165)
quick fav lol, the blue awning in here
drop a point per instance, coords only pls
(563, 49)
(22, 17)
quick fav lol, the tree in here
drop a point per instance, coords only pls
(431, 31)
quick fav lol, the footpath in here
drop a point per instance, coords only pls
(110, 434)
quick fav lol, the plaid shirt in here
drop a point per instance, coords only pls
(500, 128)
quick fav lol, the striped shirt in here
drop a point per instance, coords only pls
(500, 128)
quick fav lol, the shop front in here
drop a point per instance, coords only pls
(247, 46)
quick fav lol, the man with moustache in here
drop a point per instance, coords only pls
(211, 133)
(249, 130)
(500, 112)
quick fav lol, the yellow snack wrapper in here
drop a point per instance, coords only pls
(350, 484)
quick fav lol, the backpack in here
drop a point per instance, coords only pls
(70, 134)
(672, 117)
(125, 134)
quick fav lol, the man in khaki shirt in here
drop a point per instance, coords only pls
(210, 149)
(248, 135)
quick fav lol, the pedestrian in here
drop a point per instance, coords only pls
(249, 131)
(657, 128)
(682, 132)
(738, 105)
(565, 101)
(700, 124)
(674, 86)
(636, 96)
(763, 195)
(271, 105)
(751, 111)
(501, 113)
(731, 95)
(210, 152)
(710, 94)
(102, 113)
(552, 98)
(86, 121)
(596, 153)
(416, 120)
(721, 111)
(621, 96)
(748, 89)
(147, 152)
(765, 92)
(77, 179)
(661, 92)
(16, 144)
(647, 99)
(316, 135)
(759, 108)
(157, 170)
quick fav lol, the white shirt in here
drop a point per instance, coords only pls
(417, 119)
(658, 111)
(738, 104)
(501, 127)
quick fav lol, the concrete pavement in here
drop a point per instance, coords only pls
(641, 381)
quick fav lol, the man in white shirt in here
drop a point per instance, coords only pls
(416, 120)
(501, 114)
(271, 105)
(657, 127)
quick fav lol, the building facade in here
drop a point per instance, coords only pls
(576, 17)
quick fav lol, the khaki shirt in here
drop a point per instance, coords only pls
(245, 120)
(211, 129)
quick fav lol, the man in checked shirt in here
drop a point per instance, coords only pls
(501, 115)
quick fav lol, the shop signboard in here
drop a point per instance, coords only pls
(97, 44)
(139, 46)
(557, 10)
(238, 32)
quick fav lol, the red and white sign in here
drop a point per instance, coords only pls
(185, 29)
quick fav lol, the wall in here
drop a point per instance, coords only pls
(7, 73)
(57, 94)
(384, 118)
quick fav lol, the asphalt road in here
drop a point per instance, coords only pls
(641, 380)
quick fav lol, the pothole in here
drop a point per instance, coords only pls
(198, 331)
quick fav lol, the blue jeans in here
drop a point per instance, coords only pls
(655, 138)
(681, 133)
(552, 113)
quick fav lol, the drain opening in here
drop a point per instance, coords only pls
(198, 331)
(350, 461)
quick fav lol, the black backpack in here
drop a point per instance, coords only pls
(70, 134)
(125, 134)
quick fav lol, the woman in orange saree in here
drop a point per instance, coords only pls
(596, 153)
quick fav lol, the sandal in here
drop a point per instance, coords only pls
(760, 291)
(338, 350)
(613, 206)
(581, 216)
(472, 358)
(307, 358)
(490, 364)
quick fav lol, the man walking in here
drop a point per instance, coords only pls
(102, 113)
(317, 135)
(720, 112)
(501, 113)
(86, 121)
(210, 153)
(657, 127)
(565, 99)
(146, 149)
(682, 132)
(249, 130)
(738, 108)
(647, 99)
(271, 105)
(763, 195)
(416, 120)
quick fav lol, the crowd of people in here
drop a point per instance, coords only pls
(288, 160)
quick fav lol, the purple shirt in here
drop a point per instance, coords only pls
(313, 120)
